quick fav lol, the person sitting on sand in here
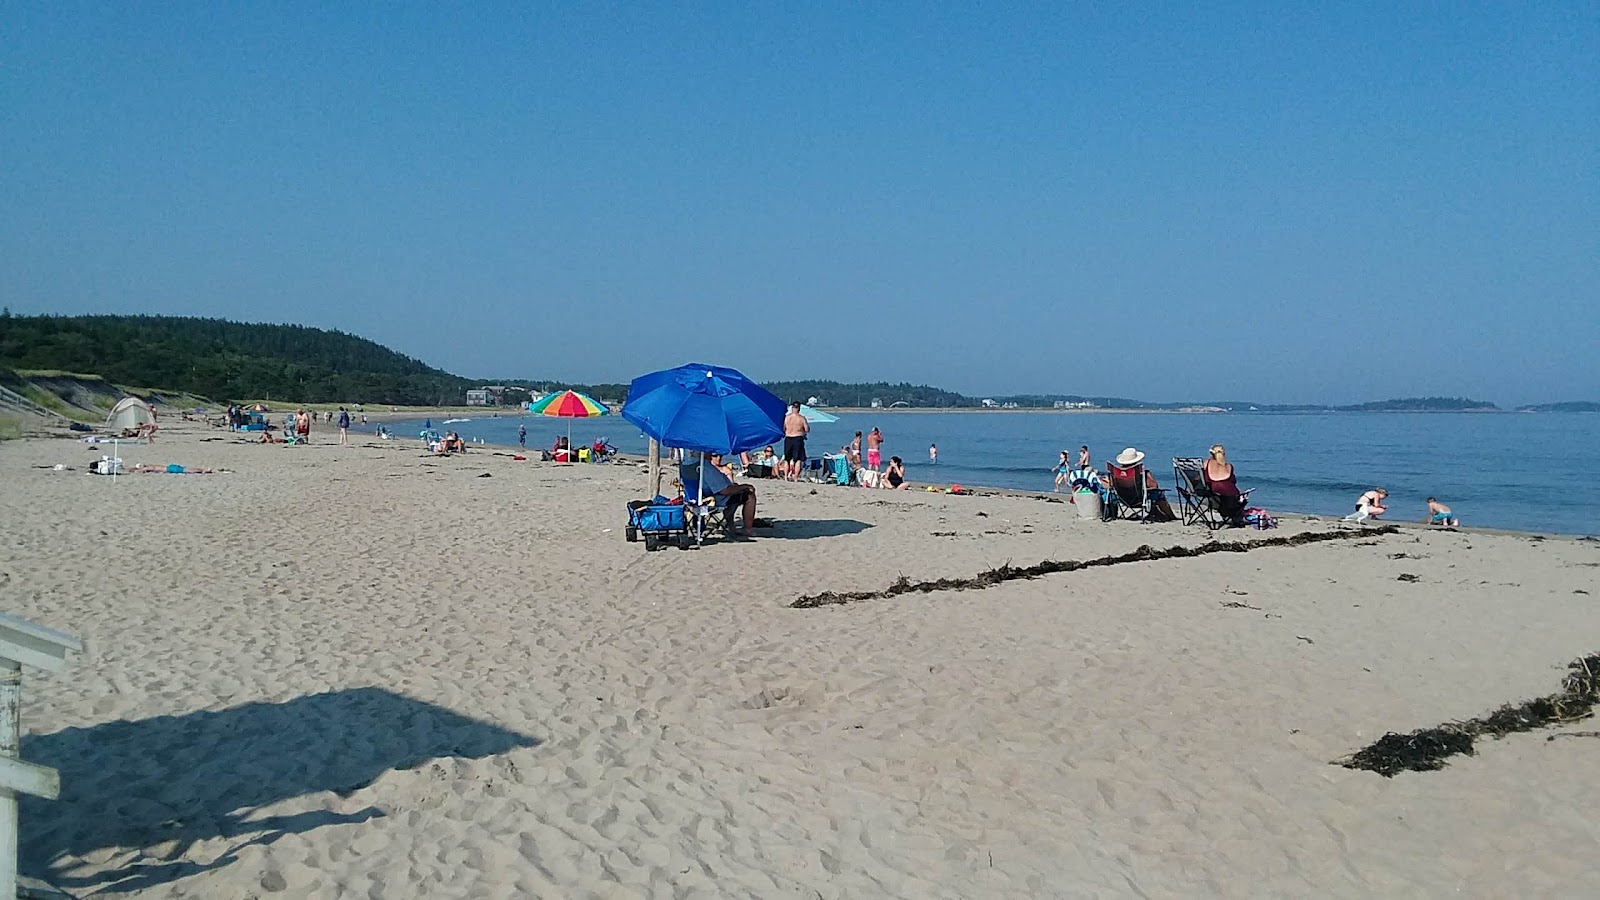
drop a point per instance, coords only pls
(1369, 506)
(1439, 514)
(716, 481)
(452, 443)
(894, 478)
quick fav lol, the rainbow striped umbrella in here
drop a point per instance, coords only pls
(569, 405)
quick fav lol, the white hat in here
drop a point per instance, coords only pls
(1130, 457)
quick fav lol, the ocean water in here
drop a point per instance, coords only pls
(1534, 472)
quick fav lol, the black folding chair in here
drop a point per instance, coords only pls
(1197, 503)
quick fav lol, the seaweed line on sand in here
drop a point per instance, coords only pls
(1009, 572)
(1427, 749)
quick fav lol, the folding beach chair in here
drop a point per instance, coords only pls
(712, 513)
(1128, 489)
(1197, 503)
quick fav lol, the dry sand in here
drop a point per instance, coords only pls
(357, 672)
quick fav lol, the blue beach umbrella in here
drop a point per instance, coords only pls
(707, 408)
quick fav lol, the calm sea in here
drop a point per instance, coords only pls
(1535, 472)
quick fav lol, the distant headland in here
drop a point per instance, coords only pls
(224, 360)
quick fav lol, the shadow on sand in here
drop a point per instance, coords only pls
(802, 529)
(198, 777)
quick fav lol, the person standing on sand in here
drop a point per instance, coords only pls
(1084, 462)
(875, 449)
(302, 426)
(795, 429)
(522, 436)
(853, 452)
(344, 425)
(1061, 470)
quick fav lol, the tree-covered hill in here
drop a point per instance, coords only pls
(226, 360)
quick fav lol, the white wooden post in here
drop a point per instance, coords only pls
(10, 735)
(22, 642)
(655, 468)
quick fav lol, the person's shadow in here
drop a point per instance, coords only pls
(196, 777)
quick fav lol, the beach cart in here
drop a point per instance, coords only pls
(658, 522)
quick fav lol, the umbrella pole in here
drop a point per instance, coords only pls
(700, 502)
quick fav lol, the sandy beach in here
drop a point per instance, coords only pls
(362, 672)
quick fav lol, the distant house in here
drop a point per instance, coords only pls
(496, 392)
(478, 397)
(876, 403)
(988, 404)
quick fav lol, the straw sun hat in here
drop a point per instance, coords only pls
(1130, 457)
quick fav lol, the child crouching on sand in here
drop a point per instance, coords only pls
(1439, 514)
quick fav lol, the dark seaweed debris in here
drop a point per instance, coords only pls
(1008, 572)
(1426, 750)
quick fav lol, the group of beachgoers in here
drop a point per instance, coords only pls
(868, 469)
(1219, 480)
(296, 425)
(1374, 503)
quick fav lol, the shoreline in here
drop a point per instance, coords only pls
(985, 490)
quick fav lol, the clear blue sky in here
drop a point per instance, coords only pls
(1276, 201)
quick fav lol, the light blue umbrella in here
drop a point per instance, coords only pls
(816, 415)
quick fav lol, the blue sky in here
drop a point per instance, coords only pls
(1278, 202)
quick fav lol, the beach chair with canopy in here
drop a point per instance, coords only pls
(1132, 500)
(1197, 503)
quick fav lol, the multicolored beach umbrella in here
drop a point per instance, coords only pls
(569, 405)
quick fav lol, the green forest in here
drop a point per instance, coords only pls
(226, 360)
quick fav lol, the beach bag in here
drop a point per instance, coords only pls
(665, 517)
(1259, 519)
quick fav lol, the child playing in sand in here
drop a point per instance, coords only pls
(1439, 514)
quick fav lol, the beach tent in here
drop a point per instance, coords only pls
(130, 412)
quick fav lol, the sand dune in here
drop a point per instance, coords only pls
(358, 672)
